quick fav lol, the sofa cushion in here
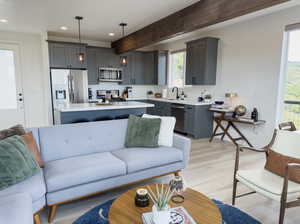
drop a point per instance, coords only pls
(15, 130)
(32, 146)
(16, 162)
(65, 173)
(266, 181)
(64, 141)
(142, 132)
(16, 208)
(138, 159)
(35, 186)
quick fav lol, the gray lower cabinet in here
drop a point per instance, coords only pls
(65, 55)
(201, 61)
(160, 108)
(198, 121)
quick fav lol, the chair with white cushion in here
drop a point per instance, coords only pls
(268, 184)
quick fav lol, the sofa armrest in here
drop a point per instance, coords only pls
(184, 144)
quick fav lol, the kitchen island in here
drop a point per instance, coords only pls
(87, 112)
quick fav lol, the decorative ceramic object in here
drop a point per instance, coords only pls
(177, 185)
(142, 198)
(161, 209)
(161, 216)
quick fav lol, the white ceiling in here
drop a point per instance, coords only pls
(100, 16)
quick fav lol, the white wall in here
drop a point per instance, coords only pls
(33, 76)
(249, 63)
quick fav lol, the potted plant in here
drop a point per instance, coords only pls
(161, 209)
(207, 98)
(150, 93)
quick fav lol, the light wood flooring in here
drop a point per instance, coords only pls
(210, 171)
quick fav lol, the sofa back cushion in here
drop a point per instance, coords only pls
(64, 141)
(16, 162)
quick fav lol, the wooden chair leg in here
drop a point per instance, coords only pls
(52, 213)
(37, 218)
(234, 191)
(282, 210)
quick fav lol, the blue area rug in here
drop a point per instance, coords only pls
(230, 215)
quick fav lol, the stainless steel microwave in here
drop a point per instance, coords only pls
(110, 75)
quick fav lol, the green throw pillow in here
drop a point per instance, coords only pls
(142, 132)
(16, 162)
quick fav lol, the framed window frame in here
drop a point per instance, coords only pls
(170, 66)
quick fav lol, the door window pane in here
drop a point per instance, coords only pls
(8, 97)
(292, 85)
(178, 69)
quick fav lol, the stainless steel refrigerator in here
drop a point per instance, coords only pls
(68, 87)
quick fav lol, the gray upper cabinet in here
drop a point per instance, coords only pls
(201, 61)
(92, 65)
(65, 55)
(161, 67)
(98, 57)
(146, 68)
(127, 69)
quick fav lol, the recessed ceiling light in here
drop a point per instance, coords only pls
(3, 20)
(111, 34)
(63, 28)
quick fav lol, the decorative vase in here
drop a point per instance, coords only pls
(161, 216)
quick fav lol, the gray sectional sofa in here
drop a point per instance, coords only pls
(87, 158)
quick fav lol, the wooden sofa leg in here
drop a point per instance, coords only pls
(37, 218)
(52, 213)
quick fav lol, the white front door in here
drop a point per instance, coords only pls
(11, 94)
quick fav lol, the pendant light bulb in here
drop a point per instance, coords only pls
(123, 59)
(81, 56)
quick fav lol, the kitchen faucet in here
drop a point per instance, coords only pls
(177, 92)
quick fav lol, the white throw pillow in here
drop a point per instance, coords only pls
(167, 125)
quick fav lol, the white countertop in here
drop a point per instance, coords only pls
(93, 106)
(185, 101)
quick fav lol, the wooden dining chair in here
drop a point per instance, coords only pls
(287, 126)
(268, 184)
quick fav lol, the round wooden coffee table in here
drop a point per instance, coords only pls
(200, 207)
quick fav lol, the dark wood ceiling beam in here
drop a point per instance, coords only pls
(199, 15)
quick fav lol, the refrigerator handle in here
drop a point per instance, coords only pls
(70, 87)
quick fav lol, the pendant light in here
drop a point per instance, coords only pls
(123, 59)
(81, 56)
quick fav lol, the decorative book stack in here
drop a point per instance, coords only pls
(178, 216)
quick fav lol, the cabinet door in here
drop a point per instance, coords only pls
(127, 69)
(113, 59)
(188, 67)
(162, 68)
(189, 119)
(73, 52)
(201, 62)
(58, 55)
(137, 74)
(92, 66)
(148, 69)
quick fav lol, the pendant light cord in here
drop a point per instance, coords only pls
(79, 32)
